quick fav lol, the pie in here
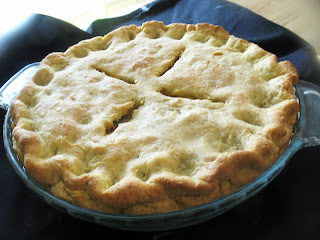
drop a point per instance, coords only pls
(154, 118)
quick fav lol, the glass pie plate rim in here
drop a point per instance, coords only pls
(306, 133)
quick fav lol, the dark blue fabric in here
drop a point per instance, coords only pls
(287, 209)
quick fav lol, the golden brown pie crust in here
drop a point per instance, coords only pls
(154, 118)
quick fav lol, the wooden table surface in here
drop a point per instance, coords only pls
(300, 16)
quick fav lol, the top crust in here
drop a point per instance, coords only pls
(154, 118)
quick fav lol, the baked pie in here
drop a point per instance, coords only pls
(154, 118)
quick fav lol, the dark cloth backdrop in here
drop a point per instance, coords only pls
(288, 208)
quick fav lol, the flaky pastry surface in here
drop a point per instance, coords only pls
(154, 118)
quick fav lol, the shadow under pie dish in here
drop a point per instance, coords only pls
(154, 118)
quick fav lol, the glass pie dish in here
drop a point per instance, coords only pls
(306, 133)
